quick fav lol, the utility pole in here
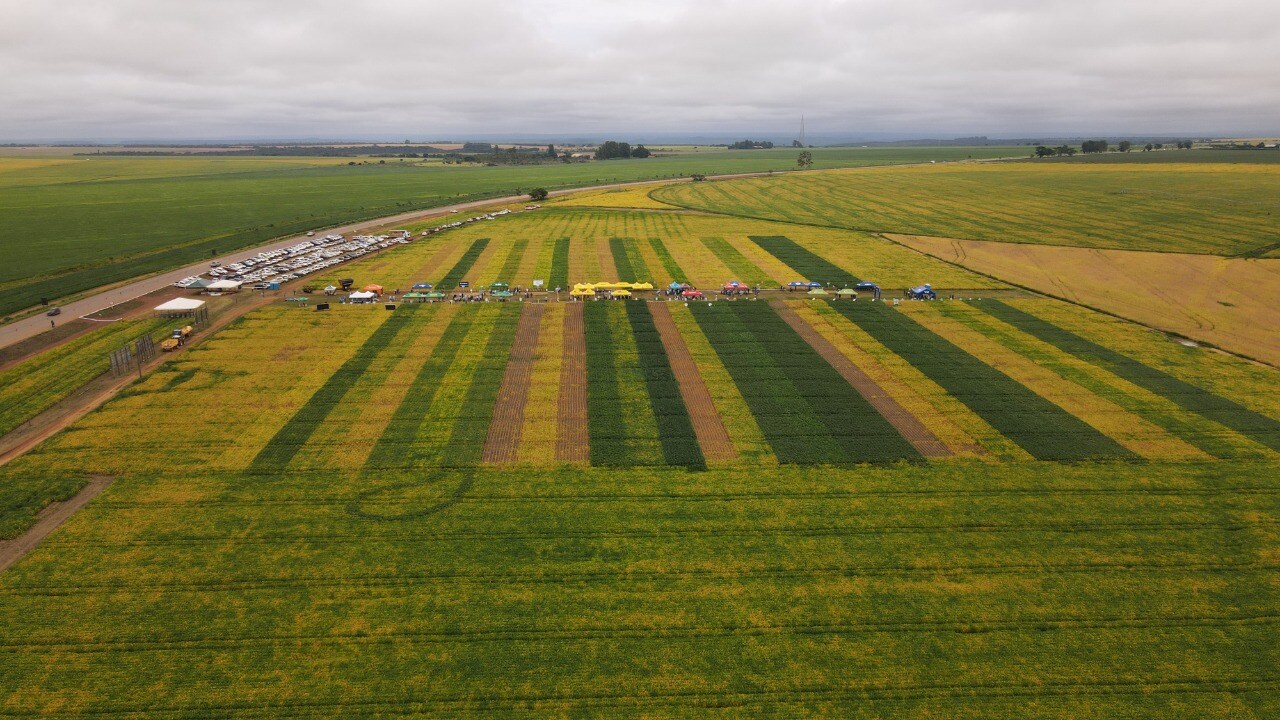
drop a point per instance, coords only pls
(802, 142)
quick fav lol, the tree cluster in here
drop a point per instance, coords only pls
(752, 145)
(611, 149)
(1062, 150)
(1094, 146)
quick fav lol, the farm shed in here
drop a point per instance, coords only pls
(179, 307)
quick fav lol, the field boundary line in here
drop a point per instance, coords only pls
(503, 439)
(707, 425)
(572, 444)
(912, 430)
(50, 518)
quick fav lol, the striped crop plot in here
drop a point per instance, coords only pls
(655, 505)
(808, 412)
(1191, 398)
(1038, 426)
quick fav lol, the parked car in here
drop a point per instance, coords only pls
(54, 311)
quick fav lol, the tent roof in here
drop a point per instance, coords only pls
(224, 285)
(622, 293)
(180, 305)
(359, 295)
(642, 286)
(818, 291)
(373, 287)
(847, 291)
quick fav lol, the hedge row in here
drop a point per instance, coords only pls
(675, 429)
(1038, 426)
(810, 265)
(281, 448)
(460, 269)
(807, 411)
(559, 277)
(1249, 423)
(668, 262)
(402, 430)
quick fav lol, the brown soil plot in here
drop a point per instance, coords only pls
(503, 440)
(714, 439)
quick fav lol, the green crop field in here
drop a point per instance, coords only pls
(72, 224)
(1214, 208)
(999, 507)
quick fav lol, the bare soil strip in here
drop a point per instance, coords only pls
(11, 551)
(714, 439)
(572, 444)
(503, 441)
(912, 429)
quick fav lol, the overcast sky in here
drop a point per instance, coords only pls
(152, 69)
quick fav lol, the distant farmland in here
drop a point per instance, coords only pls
(72, 224)
(1200, 208)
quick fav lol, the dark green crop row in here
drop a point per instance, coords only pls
(626, 272)
(471, 427)
(1251, 424)
(744, 270)
(675, 429)
(460, 269)
(668, 262)
(559, 265)
(608, 447)
(289, 439)
(509, 268)
(807, 411)
(810, 265)
(397, 439)
(1038, 426)
(630, 263)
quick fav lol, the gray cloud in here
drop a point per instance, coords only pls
(294, 68)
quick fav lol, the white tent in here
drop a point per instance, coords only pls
(361, 296)
(225, 285)
(180, 305)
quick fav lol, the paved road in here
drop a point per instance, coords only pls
(20, 330)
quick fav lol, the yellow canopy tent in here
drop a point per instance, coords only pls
(642, 286)
(582, 292)
(622, 293)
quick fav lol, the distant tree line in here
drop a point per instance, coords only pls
(1100, 146)
(752, 145)
(612, 150)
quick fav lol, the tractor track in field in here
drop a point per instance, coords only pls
(899, 417)
(707, 425)
(502, 443)
(50, 519)
(572, 443)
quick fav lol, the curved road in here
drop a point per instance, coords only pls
(20, 330)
